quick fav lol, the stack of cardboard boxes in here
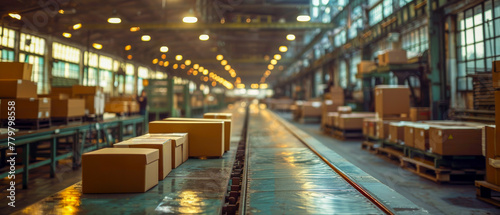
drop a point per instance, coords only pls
(63, 106)
(124, 104)
(147, 159)
(93, 96)
(392, 104)
(329, 106)
(491, 140)
(394, 56)
(16, 85)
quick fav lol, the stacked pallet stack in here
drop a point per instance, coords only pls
(124, 105)
(491, 146)
(19, 97)
(94, 99)
(329, 106)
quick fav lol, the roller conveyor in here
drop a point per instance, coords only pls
(283, 176)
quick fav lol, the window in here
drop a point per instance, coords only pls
(354, 70)
(66, 70)
(340, 39)
(68, 64)
(7, 55)
(343, 74)
(355, 25)
(375, 15)
(90, 71)
(106, 80)
(387, 7)
(415, 41)
(32, 50)
(7, 37)
(478, 39)
(403, 3)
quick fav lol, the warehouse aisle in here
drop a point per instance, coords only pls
(435, 198)
(284, 176)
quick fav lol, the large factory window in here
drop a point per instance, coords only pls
(478, 41)
(91, 61)
(68, 59)
(129, 79)
(375, 15)
(7, 40)
(415, 41)
(32, 50)
(343, 74)
(105, 73)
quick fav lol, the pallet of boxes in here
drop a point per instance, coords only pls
(489, 189)
(332, 100)
(94, 100)
(148, 159)
(19, 98)
(123, 106)
(348, 124)
(66, 110)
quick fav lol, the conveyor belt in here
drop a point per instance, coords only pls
(285, 176)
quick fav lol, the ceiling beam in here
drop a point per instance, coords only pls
(210, 26)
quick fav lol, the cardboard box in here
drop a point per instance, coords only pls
(397, 132)
(28, 108)
(421, 137)
(179, 143)
(420, 114)
(395, 56)
(383, 129)
(353, 121)
(17, 89)
(496, 74)
(330, 118)
(367, 123)
(133, 107)
(492, 149)
(67, 108)
(218, 115)
(206, 138)
(61, 90)
(227, 128)
(117, 107)
(15, 70)
(119, 170)
(86, 90)
(392, 100)
(344, 109)
(455, 140)
(366, 66)
(337, 95)
(164, 146)
(94, 104)
(311, 109)
(409, 138)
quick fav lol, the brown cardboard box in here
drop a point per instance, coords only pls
(62, 90)
(421, 135)
(311, 109)
(94, 104)
(492, 153)
(344, 109)
(397, 132)
(180, 145)
(329, 118)
(366, 66)
(15, 70)
(67, 108)
(119, 170)
(455, 140)
(395, 56)
(164, 145)
(391, 100)
(337, 95)
(353, 121)
(496, 74)
(17, 89)
(206, 138)
(383, 129)
(227, 128)
(218, 115)
(369, 129)
(409, 138)
(116, 107)
(27, 108)
(86, 90)
(420, 113)
(133, 107)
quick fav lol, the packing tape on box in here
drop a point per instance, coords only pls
(494, 163)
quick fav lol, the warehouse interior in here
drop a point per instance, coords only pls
(250, 107)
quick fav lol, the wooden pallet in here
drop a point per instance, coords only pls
(427, 170)
(451, 162)
(347, 134)
(390, 154)
(309, 119)
(29, 124)
(488, 192)
(66, 120)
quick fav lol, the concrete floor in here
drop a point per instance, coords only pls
(435, 198)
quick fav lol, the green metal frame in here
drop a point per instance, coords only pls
(79, 133)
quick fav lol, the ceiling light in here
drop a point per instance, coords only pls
(190, 17)
(165, 63)
(227, 67)
(268, 73)
(232, 71)
(145, 38)
(129, 57)
(201, 68)
(163, 56)
(67, 35)
(134, 29)
(205, 72)
(240, 86)
(204, 37)
(283, 49)
(164, 49)
(290, 37)
(214, 83)
(277, 56)
(155, 61)
(195, 72)
(196, 66)
(274, 62)
(263, 86)
(270, 67)
(178, 57)
(77, 26)
(223, 63)
(187, 62)
(183, 66)
(15, 16)
(175, 66)
(233, 75)
(254, 86)
(97, 46)
(128, 47)
(303, 18)
(114, 20)
(160, 63)
(219, 57)
(61, 11)
(205, 79)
